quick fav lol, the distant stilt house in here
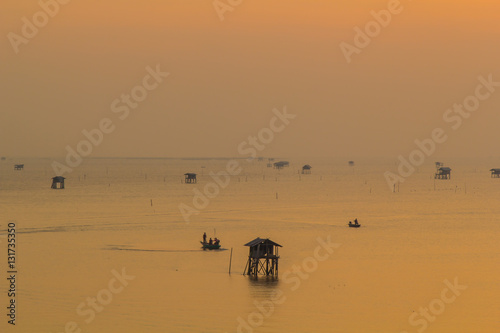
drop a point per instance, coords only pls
(306, 169)
(443, 173)
(351, 163)
(262, 258)
(18, 166)
(190, 178)
(260, 159)
(281, 164)
(495, 173)
(278, 165)
(58, 183)
(4, 158)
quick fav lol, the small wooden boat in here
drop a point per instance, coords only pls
(354, 225)
(210, 246)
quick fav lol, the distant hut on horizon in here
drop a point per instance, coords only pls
(58, 183)
(190, 178)
(495, 173)
(281, 164)
(262, 258)
(18, 167)
(443, 173)
(351, 163)
(306, 169)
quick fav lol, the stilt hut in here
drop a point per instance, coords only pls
(18, 166)
(58, 183)
(262, 258)
(443, 173)
(306, 169)
(278, 165)
(495, 173)
(281, 164)
(190, 178)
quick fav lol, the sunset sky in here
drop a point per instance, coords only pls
(227, 76)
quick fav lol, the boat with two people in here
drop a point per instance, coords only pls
(355, 224)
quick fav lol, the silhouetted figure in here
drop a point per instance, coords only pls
(204, 237)
(210, 241)
(356, 222)
(350, 223)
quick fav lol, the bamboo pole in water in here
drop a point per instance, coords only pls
(230, 259)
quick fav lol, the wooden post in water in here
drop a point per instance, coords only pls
(230, 259)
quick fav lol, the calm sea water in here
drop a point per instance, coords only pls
(120, 217)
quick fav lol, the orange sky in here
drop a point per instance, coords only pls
(227, 76)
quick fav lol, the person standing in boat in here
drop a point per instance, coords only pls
(356, 222)
(210, 241)
(204, 237)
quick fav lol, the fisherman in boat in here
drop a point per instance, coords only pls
(356, 222)
(204, 238)
(350, 222)
(217, 241)
(210, 242)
